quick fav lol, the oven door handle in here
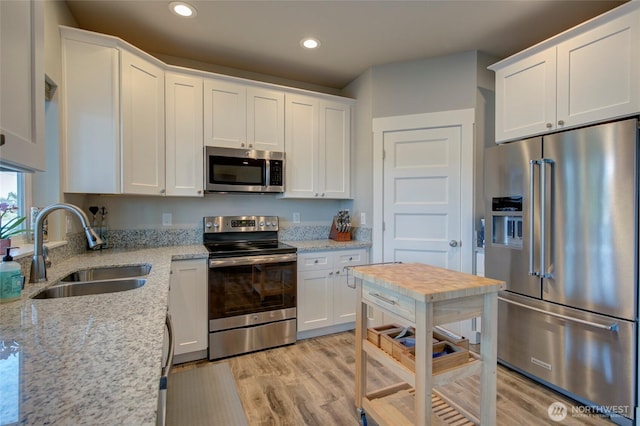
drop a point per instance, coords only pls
(252, 260)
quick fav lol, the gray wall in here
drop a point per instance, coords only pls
(444, 83)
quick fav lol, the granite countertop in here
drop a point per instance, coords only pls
(304, 246)
(88, 359)
(425, 283)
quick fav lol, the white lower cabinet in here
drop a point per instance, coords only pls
(188, 309)
(326, 291)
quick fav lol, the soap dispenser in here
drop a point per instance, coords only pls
(11, 279)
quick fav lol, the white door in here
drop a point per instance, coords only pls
(422, 196)
(423, 189)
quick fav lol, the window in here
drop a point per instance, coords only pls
(12, 192)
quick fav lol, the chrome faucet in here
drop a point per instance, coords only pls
(38, 264)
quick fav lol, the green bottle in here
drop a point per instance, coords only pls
(10, 279)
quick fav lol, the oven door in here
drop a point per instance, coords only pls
(245, 285)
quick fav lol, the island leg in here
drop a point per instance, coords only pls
(361, 356)
(489, 356)
(424, 362)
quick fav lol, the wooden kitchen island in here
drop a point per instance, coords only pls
(424, 296)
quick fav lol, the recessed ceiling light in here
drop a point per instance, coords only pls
(310, 43)
(182, 9)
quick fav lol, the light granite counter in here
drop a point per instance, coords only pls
(323, 245)
(88, 360)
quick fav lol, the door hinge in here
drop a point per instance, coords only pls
(384, 154)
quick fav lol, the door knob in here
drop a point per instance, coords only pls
(453, 243)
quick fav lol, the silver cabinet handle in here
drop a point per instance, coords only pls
(384, 299)
(610, 327)
(453, 243)
(549, 125)
(560, 122)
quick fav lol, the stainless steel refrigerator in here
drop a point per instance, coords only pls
(562, 231)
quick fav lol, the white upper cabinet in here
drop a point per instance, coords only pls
(526, 96)
(599, 73)
(22, 142)
(317, 148)
(184, 137)
(113, 117)
(243, 116)
(90, 99)
(586, 75)
(143, 148)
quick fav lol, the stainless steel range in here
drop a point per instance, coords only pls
(252, 285)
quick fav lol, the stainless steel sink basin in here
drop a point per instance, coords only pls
(84, 288)
(108, 273)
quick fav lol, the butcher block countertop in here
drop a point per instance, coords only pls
(426, 283)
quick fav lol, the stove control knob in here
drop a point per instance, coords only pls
(216, 225)
(268, 223)
(208, 224)
(261, 224)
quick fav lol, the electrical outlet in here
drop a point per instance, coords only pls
(166, 219)
(363, 218)
(296, 217)
(68, 225)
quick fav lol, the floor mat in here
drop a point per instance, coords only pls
(204, 396)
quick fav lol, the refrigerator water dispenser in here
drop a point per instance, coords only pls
(506, 229)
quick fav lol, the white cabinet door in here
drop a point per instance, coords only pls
(301, 147)
(344, 290)
(314, 299)
(239, 116)
(188, 305)
(90, 98)
(334, 146)
(22, 142)
(225, 117)
(599, 73)
(265, 119)
(326, 292)
(317, 147)
(143, 148)
(184, 145)
(526, 96)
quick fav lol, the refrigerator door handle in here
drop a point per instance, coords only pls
(532, 187)
(543, 217)
(610, 327)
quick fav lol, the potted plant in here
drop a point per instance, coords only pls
(10, 226)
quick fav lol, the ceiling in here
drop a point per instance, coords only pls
(263, 36)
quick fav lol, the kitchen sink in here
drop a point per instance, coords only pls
(84, 288)
(108, 273)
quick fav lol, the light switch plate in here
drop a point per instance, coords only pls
(363, 218)
(296, 217)
(166, 219)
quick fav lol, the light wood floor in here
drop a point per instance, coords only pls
(312, 383)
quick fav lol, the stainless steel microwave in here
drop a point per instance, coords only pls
(243, 170)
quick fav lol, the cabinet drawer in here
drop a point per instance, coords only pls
(313, 262)
(398, 304)
(350, 258)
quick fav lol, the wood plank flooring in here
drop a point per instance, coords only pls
(312, 383)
